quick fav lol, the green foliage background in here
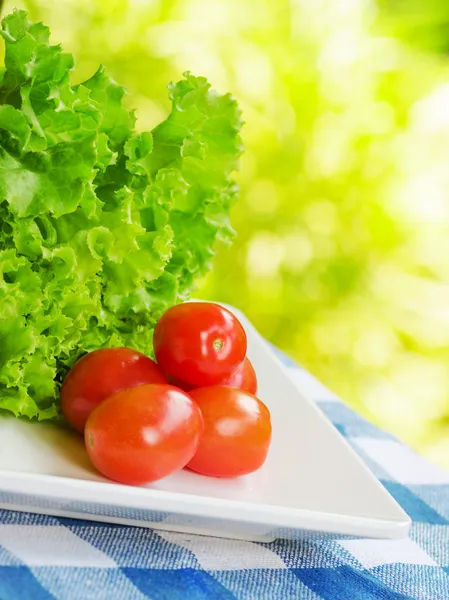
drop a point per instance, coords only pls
(342, 257)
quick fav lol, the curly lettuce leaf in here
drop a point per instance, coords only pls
(101, 228)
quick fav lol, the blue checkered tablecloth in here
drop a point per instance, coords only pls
(43, 557)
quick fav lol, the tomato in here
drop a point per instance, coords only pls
(244, 378)
(143, 433)
(100, 374)
(237, 432)
(186, 387)
(199, 342)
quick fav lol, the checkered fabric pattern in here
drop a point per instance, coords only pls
(43, 557)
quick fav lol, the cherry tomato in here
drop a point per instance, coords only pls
(143, 433)
(100, 374)
(186, 387)
(199, 342)
(237, 432)
(244, 378)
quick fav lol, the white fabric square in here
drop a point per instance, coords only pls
(401, 462)
(217, 554)
(41, 545)
(374, 553)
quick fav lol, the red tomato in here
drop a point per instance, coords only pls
(243, 378)
(237, 432)
(199, 342)
(143, 433)
(100, 374)
(186, 387)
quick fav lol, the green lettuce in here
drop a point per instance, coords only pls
(101, 228)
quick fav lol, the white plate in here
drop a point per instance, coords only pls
(312, 483)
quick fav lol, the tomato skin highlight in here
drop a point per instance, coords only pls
(143, 434)
(200, 343)
(237, 432)
(101, 374)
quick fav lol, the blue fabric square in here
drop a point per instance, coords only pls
(19, 583)
(82, 583)
(436, 496)
(338, 412)
(178, 585)
(416, 508)
(344, 583)
(363, 429)
(265, 584)
(419, 582)
(135, 546)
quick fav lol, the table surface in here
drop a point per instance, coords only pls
(43, 558)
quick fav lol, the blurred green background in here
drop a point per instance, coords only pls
(342, 257)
